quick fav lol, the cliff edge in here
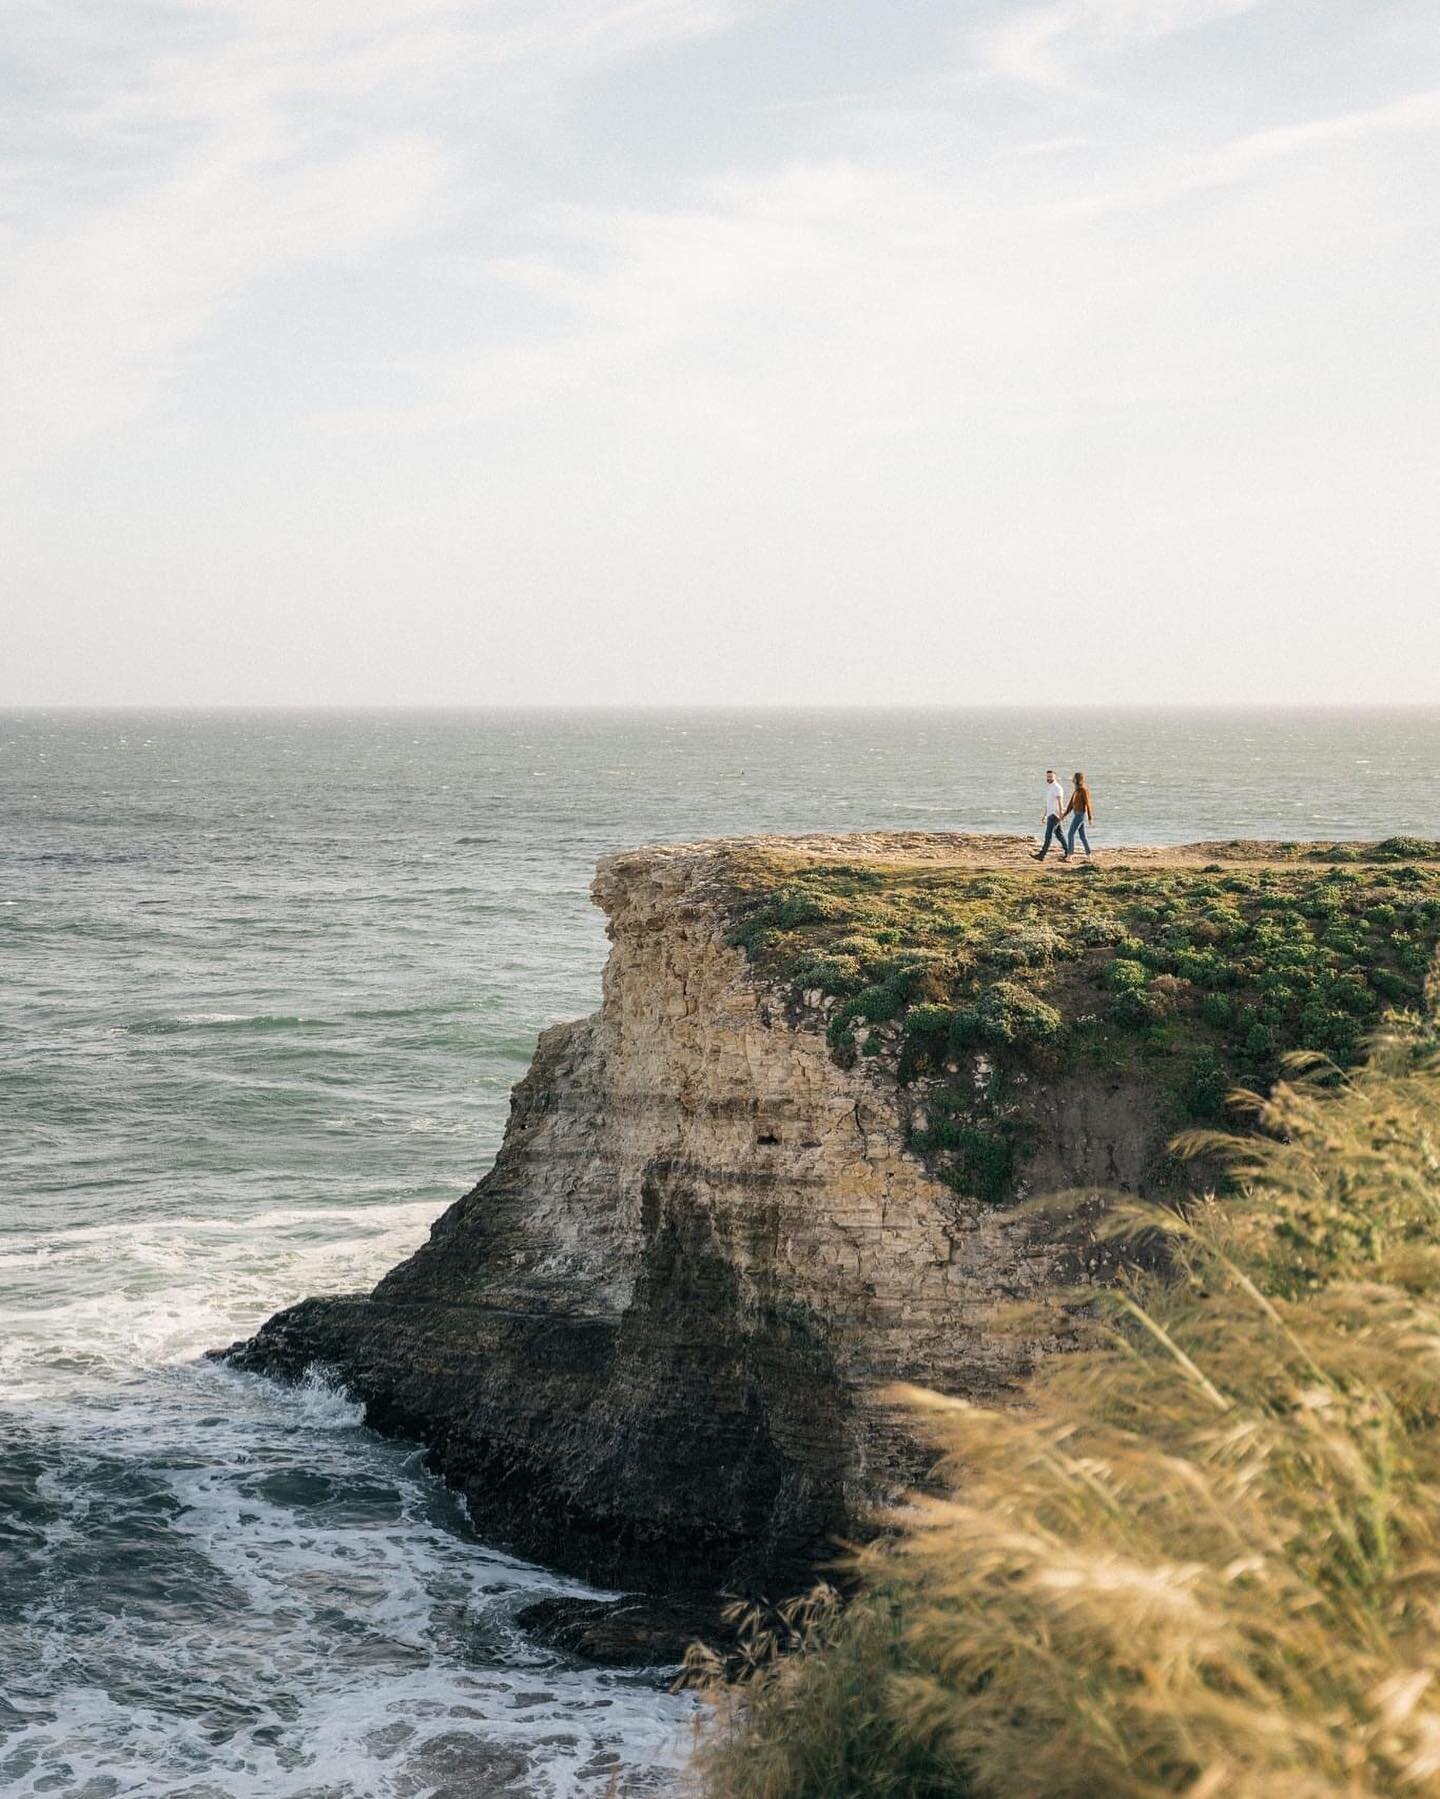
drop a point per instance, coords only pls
(786, 1163)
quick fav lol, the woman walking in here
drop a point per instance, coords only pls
(1080, 812)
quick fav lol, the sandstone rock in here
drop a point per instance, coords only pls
(647, 1345)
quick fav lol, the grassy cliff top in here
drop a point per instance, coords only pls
(1196, 969)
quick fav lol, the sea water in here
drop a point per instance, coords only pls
(265, 983)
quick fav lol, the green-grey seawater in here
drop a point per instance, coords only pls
(267, 981)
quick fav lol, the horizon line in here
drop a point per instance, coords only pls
(656, 708)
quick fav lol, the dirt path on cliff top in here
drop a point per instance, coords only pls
(959, 849)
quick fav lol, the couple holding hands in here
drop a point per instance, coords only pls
(1058, 809)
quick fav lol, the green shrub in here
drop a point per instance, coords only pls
(1403, 848)
(840, 1035)
(1325, 901)
(1206, 1085)
(1205, 967)
(831, 974)
(1393, 986)
(1121, 975)
(1352, 992)
(1220, 924)
(1030, 946)
(986, 1163)
(876, 1005)
(865, 947)
(975, 1143)
(1008, 1016)
(1216, 1010)
(930, 1024)
(1101, 929)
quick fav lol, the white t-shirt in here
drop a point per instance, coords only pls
(1054, 800)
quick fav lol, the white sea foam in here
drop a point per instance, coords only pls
(427, 1124)
(151, 1293)
(365, 1644)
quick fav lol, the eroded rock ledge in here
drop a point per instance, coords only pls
(646, 1346)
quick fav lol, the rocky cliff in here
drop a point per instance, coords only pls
(647, 1345)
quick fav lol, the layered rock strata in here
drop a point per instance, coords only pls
(647, 1346)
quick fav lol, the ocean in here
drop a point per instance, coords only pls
(267, 981)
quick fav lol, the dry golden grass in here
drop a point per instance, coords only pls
(1204, 1559)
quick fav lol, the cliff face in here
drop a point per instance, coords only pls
(645, 1345)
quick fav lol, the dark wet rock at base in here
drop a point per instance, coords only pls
(636, 1631)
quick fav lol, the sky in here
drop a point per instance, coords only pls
(486, 352)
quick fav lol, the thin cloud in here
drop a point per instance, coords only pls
(1243, 158)
(1055, 47)
(164, 174)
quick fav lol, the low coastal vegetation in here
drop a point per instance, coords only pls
(1194, 979)
(1203, 1557)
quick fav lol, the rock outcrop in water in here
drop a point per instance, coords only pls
(647, 1346)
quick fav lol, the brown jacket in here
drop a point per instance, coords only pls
(1080, 802)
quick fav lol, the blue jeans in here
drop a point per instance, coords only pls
(1077, 824)
(1054, 827)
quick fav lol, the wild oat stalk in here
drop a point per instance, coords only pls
(1204, 1559)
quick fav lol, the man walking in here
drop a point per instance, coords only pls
(1054, 813)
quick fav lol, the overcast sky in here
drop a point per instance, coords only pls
(487, 351)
